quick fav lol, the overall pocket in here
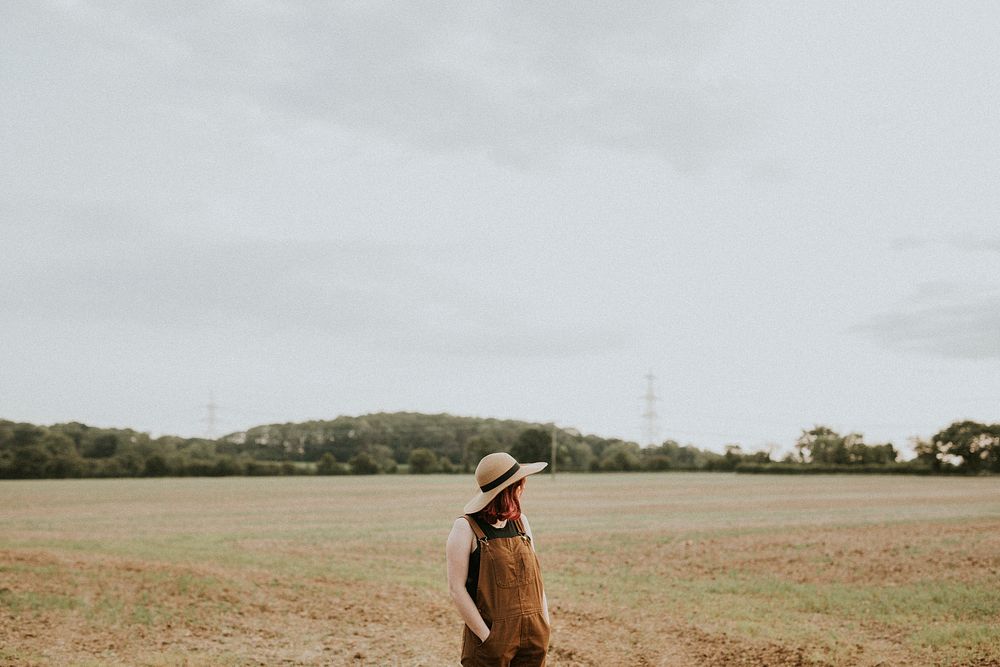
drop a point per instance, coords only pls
(514, 568)
(489, 647)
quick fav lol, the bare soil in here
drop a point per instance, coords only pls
(635, 593)
(255, 618)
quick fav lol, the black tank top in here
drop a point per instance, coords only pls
(509, 530)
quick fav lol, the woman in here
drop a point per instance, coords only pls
(493, 572)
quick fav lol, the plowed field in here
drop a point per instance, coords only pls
(640, 569)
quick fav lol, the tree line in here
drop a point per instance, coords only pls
(421, 443)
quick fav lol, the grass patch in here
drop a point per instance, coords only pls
(803, 563)
(19, 602)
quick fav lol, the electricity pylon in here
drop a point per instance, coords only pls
(650, 430)
(211, 408)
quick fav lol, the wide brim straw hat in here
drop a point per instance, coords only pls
(494, 474)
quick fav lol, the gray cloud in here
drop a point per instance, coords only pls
(102, 263)
(908, 242)
(278, 196)
(977, 243)
(966, 242)
(519, 84)
(944, 319)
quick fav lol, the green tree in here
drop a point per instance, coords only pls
(859, 452)
(226, 466)
(760, 456)
(976, 444)
(580, 456)
(621, 456)
(156, 466)
(821, 444)
(328, 465)
(929, 452)
(64, 460)
(656, 462)
(533, 445)
(733, 455)
(363, 464)
(384, 459)
(24, 453)
(101, 447)
(671, 455)
(29, 462)
(423, 461)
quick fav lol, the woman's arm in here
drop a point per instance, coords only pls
(458, 550)
(545, 602)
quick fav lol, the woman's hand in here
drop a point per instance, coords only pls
(482, 640)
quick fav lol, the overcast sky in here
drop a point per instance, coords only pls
(788, 212)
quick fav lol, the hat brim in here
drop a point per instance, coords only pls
(483, 498)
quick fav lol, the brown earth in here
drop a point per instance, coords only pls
(207, 615)
(889, 554)
(326, 622)
(299, 572)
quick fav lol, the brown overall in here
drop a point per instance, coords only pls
(509, 598)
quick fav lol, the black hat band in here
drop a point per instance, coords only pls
(501, 479)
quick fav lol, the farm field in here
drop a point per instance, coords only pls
(640, 569)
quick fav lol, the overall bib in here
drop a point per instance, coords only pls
(509, 598)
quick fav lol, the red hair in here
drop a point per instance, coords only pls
(504, 506)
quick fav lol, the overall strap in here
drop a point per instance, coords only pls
(480, 535)
(519, 526)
